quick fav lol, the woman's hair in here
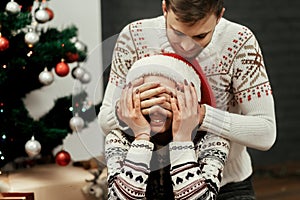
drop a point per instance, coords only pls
(191, 11)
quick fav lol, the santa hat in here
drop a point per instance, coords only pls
(176, 68)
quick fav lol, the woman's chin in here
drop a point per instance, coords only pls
(157, 129)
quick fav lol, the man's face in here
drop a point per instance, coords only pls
(189, 40)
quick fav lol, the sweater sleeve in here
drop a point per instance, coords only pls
(128, 166)
(123, 57)
(197, 171)
(251, 120)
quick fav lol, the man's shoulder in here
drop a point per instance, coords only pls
(232, 27)
(148, 22)
(141, 25)
(231, 33)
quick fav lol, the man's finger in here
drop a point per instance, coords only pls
(151, 102)
(152, 92)
(146, 86)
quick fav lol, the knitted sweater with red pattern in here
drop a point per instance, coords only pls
(235, 69)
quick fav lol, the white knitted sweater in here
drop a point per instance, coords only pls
(234, 66)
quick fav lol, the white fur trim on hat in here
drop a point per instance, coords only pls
(168, 66)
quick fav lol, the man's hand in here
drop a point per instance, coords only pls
(153, 94)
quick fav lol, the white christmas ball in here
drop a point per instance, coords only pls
(46, 77)
(80, 46)
(76, 123)
(32, 37)
(42, 16)
(33, 147)
(12, 7)
(86, 78)
(78, 72)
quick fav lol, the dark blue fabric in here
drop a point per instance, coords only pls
(237, 191)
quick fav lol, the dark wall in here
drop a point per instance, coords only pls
(276, 25)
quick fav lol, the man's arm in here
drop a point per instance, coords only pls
(254, 123)
(123, 57)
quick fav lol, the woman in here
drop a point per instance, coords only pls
(162, 155)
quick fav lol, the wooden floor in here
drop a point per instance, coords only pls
(278, 182)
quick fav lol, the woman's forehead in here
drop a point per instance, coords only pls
(163, 80)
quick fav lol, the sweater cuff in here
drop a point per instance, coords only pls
(182, 153)
(216, 121)
(140, 151)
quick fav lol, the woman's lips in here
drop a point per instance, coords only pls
(158, 116)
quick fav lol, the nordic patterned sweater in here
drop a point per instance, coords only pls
(178, 170)
(234, 66)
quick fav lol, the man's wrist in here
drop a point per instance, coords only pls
(202, 113)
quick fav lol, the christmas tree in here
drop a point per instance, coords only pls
(30, 54)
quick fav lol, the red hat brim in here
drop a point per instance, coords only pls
(207, 96)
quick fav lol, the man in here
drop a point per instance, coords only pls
(231, 58)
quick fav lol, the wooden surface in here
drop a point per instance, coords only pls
(278, 182)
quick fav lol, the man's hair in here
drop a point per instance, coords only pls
(191, 11)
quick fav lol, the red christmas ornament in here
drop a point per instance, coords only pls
(62, 69)
(50, 13)
(72, 57)
(62, 158)
(4, 43)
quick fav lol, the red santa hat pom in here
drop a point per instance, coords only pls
(176, 68)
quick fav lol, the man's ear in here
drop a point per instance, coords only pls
(221, 15)
(164, 7)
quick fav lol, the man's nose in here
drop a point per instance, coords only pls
(187, 43)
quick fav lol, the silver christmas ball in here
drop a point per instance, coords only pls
(33, 147)
(78, 72)
(12, 7)
(32, 37)
(76, 123)
(86, 78)
(42, 16)
(80, 46)
(46, 77)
